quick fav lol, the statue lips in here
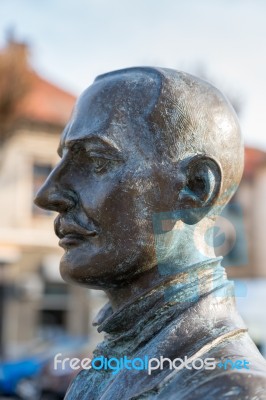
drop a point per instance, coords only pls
(70, 233)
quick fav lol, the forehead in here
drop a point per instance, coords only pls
(115, 110)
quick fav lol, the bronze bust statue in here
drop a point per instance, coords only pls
(147, 159)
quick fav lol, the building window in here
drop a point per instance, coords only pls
(54, 309)
(40, 173)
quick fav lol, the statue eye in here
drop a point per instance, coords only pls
(99, 164)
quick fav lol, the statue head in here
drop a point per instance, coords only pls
(140, 142)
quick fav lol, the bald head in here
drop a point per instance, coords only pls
(186, 115)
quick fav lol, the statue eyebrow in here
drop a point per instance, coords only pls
(92, 143)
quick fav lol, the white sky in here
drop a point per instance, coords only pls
(72, 41)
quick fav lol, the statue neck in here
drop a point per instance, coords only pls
(184, 254)
(199, 300)
(185, 287)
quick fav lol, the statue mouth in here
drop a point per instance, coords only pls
(70, 233)
(71, 240)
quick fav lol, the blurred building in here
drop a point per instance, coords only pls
(247, 259)
(34, 300)
(251, 199)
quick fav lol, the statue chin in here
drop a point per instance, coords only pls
(99, 269)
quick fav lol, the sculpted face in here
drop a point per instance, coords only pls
(106, 188)
(140, 141)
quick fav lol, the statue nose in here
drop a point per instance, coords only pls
(55, 199)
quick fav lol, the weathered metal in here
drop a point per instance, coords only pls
(143, 143)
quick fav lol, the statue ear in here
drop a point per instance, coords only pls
(203, 179)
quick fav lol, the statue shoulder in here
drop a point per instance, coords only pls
(231, 386)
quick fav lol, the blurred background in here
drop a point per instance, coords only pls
(49, 52)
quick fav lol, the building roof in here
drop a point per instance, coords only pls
(45, 102)
(24, 94)
(254, 159)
